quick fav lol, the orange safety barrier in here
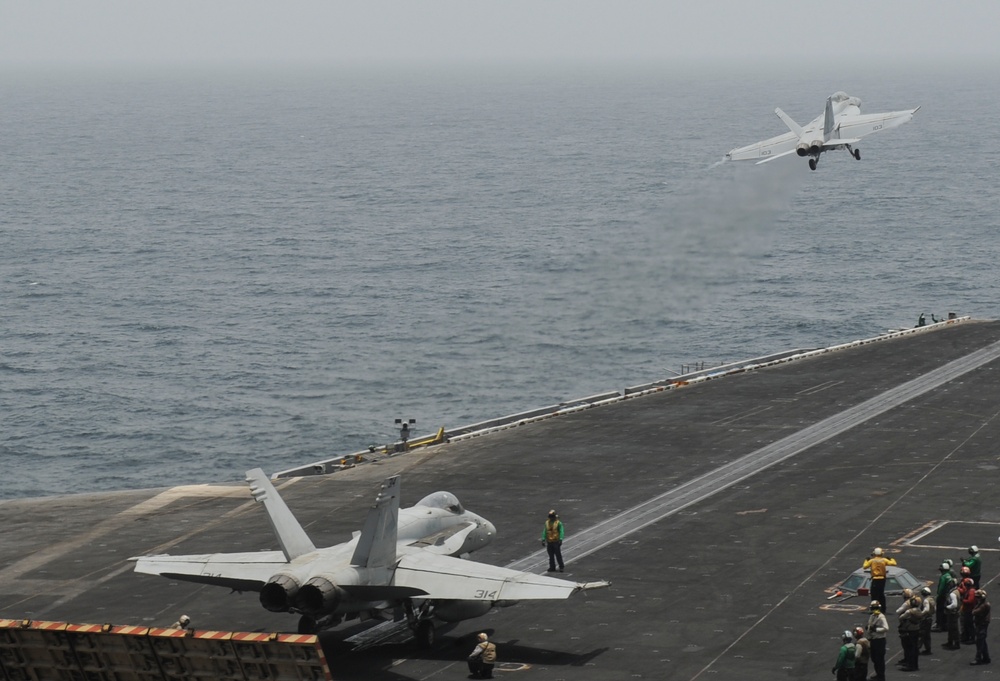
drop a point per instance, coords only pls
(39, 650)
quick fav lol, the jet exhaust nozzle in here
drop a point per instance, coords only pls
(318, 596)
(279, 593)
(802, 149)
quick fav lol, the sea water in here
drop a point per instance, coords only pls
(206, 272)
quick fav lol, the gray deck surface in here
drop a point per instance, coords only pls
(728, 583)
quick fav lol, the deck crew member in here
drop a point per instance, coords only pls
(974, 563)
(944, 586)
(482, 658)
(929, 612)
(876, 630)
(552, 536)
(909, 634)
(862, 653)
(877, 564)
(844, 666)
(981, 619)
(967, 596)
(951, 606)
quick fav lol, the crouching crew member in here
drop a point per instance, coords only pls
(482, 659)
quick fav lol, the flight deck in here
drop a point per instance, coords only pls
(724, 511)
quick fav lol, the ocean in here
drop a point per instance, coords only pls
(209, 271)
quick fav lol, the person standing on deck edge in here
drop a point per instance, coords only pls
(552, 537)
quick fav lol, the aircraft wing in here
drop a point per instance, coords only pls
(776, 146)
(865, 124)
(239, 571)
(445, 577)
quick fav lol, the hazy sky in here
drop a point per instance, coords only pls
(57, 32)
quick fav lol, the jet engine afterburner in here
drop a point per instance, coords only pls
(280, 592)
(809, 149)
(319, 596)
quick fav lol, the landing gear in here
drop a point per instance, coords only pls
(313, 625)
(421, 622)
(307, 625)
(812, 164)
(857, 154)
(424, 633)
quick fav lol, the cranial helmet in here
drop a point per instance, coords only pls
(184, 619)
(981, 593)
(877, 552)
(482, 636)
(973, 550)
(859, 632)
(966, 571)
(847, 636)
(944, 567)
(875, 606)
(926, 591)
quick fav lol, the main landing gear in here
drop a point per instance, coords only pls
(314, 625)
(812, 164)
(424, 633)
(421, 622)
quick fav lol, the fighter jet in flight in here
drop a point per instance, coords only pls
(403, 560)
(841, 126)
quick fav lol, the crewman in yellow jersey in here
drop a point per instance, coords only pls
(877, 564)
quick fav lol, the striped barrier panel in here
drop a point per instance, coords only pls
(43, 651)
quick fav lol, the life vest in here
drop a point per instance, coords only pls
(878, 567)
(490, 654)
(552, 530)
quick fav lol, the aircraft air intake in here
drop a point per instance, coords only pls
(279, 593)
(319, 596)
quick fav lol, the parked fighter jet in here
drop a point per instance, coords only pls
(839, 127)
(402, 560)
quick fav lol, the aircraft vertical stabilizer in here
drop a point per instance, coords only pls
(293, 539)
(828, 119)
(377, 543)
